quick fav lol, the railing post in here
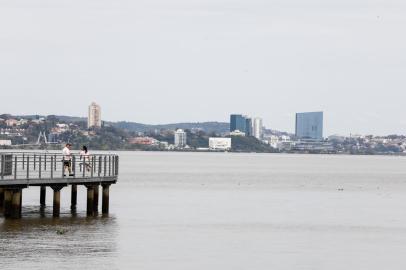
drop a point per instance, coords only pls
(105, 166)
(28, 167)
(15, 167)
(2, 167)
(113, 164)
(73, 164)
(109, 165)
(94, 164)
(117, 164)
(23, 161)
(63, 167)
(52, 167)
(100, 165)
(35, 162)
(39, 171)
(83, 167)
(45, 162)
(91, 168)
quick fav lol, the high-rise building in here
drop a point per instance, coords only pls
(94, 117)
(257, 128)
(248, 126)
(180, 138)
(238, 122)
(309, 125)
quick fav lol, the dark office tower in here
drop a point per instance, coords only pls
(309, 125)
(237, 122)
(248, 127)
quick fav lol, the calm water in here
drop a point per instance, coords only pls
(225, 211)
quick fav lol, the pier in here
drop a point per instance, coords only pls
(21, 170)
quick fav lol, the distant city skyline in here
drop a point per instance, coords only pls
(186, 61)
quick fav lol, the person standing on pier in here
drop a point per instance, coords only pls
(86, 158)
(67, 159)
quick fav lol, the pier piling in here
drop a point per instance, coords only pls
(42, 198)
(96, 199)
(57, 200)
(90, 199)
(74, 197)
(1, 200)
(16, 203)
(105, 202)
(8, 195)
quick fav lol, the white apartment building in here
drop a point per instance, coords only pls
(220, 144)
(94, 117)
(5, 142)
(180, 138)
(257, 128)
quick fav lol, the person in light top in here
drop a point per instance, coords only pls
(67, 159)
(84, 154)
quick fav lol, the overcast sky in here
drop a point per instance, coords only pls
(162, 61)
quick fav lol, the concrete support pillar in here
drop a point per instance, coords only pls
(42, 196)
(90, 200)
(1, 200)
(96, 199)
(16, 203)
(57, 201)
(8, 196)
(105, 201)
(21, 202)
(74, 197)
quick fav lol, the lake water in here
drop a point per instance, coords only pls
(224, 211)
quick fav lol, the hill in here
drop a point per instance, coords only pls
(217, 127)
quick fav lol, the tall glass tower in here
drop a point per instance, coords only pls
(309, 126)
(238, 122)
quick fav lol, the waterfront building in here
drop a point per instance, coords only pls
(11, 122)
(94, 117)
(273, 141)
(223, 144)
(144, 141)
(180, 139)
(237, 133)
(313, 147)
(257, 128)
(5, 142)
(309, 126)
(164, 145)
(337, 138)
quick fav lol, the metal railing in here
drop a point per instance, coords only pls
(30, 165)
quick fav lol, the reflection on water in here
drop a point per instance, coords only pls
(37, 239)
